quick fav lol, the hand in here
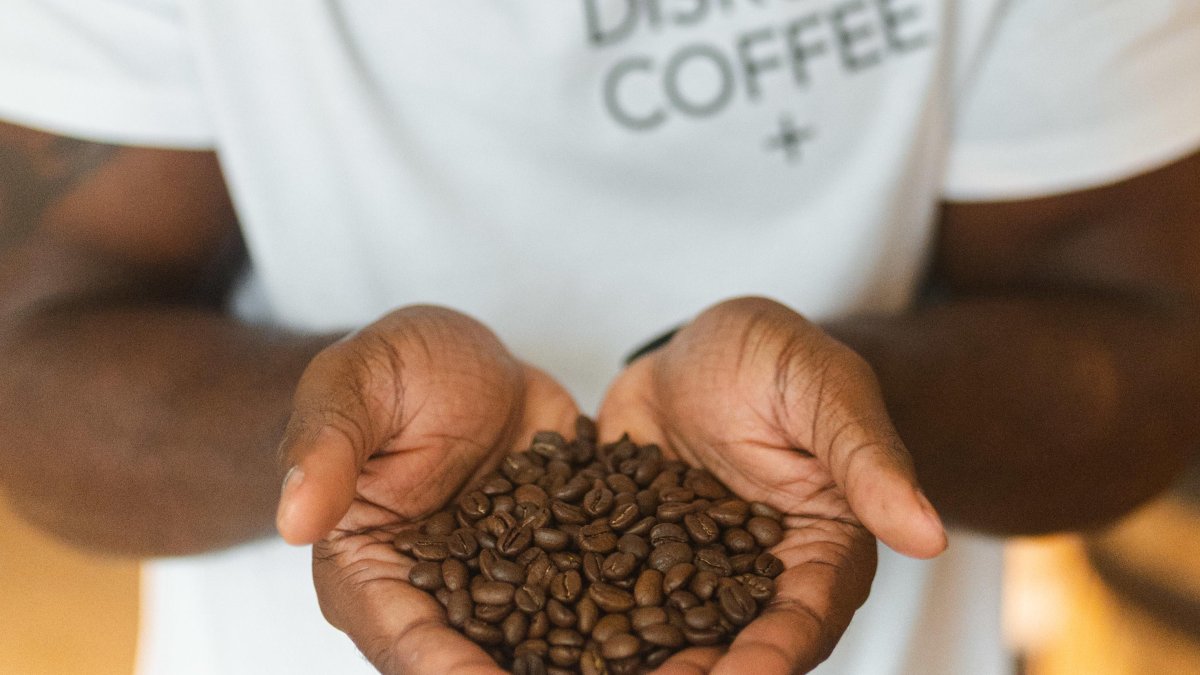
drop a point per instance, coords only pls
(783, 414)
(388, 425)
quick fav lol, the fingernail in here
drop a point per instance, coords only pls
(294, 477)
(931, 513)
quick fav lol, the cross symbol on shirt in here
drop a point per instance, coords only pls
(790, 138)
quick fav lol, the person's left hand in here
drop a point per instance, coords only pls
(784, 414)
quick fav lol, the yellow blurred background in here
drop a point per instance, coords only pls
(65, 612)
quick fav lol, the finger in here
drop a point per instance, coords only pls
(851, 432)
(829, 568)
(694, 661)
(320, 485)
(548, 407)
(397, 627)
(630, 406)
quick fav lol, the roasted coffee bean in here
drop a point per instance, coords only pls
(648, 591)
(766, 531)
(624, 516)
(482, 632)
(564, 637)
(550, 539)
(529, 599)
(587, 613)
(736, 604)
(672, 512)
(539, 625)
(680, 494)
(535, 517)
(431, 547)
(646, 500)
(705, 486)
(486, 541)
(742, 563)
(620, 646)
(701, 528)
(761, 588)
(598, 501)
(658, 657)
(634, 545)
(566, 586)
(768, 565)
(703, 638)
(443, 595)
(462, 544)
(610, 625)
(610, 598)
(729, 513)
(600, 542)
(515, 540)
(564, 656)
(678, 576)
(643, 526)
(440, 524)
(702, 617)
(592, 564)
(454, 574)
(662, 635)
(426, 576)
(572, 490)
(551, 445)
(530, 494)
(765, 511)
(565, 513)
(621, 483)
(713, 560)
(619, 565)
(640, 617)
(495, 484)
(529, 555)
(566, 560)
(404, 540)
(539, 572)
(665, 556)
(459, 608)
(475, 505)
(737, 540)
(515, 628)
(559, 614)
(683, 600)
(506, 571)
(528, 664)
(493, 593)
(703, 585)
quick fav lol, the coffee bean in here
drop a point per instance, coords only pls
(564, 637)
(426, 576)
(768, 565)
(646, 500)
(600, 542)
(662, 635)
(760, 588)
(704, 485)
(495, 484)
(619, 565)
(551, 445)
(515, 628)
(703, 638)
(493, 593)
(610, 625)
(648, 591)
(703, 584)
(539, 624)
(610, 598)
(533, 646)
(640, 617)
(658, 657)
(566, 560)
(431, 547)
(737, 540)
(567, 513)
(598, 501)
(736, 604)
(676, 494)
(766, 531)
(528, 664)
(701, 617)
(454, 574)
(462, 544)
(683, 600)
(620, 646)
(713, 560)
(539, 572)
(405, 539)
(572, 490)
(550, 539)
(475, 505)
(624, 516)
(672, 512)
(506, 571)
(592, 564)
(482, 632)
(742, 562)
(559, 614)
(564, 656)
(729, 513)
(591, 663)
(459, 608)
(643, 526)
(621, 483)
(765, 511)
(667, 555)
(634, 545)
(515, 540)
(677, 577)
(587, 613)
(535, 517)
(701, 528)
(440, 524)
(529, 599)
(566, 586)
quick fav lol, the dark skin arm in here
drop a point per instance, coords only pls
(136, 417)
(1052, 381)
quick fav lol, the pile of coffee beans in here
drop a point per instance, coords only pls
(574, 557)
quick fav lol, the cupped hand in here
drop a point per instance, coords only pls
(784, 414)
(388, 425)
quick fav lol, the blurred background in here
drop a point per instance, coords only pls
(1123, 601)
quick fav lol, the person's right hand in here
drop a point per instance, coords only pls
(389, 424)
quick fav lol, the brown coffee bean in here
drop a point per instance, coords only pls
(620, 646)
(765, 511)
(713, 560)
(729, 513)
(676, 494)
(528, 664)
(677, 577)
(515, 628)
(760, 588)
(495, 484)
(431, 547)
(475, 505)
(550, 539)
(667, 555)
(640, 617)
(462, 544)
(565, 513)
(768, 565)
(648, 591)
(459, 608)
(737, 540)
(704, 485)
(443, 595)
(703, 584)
(742, 563)
(703, 638)
(619, 565)
(572, 490)
(566, 560)
(662, 635)
(591, 663)
(701, 528)
(643, 526)
(506, 571)
(672, 512)
(592, 564)
(540, 572)
(493, 593)
(658, 657)
(482, 632)
(564, 656)
(602, 542)
(440, 524)
(766, 531)
(624, 516)
(551, 445)
(454, 574)
(587, 613)
(646, 500)
(515, 540)
(619, 483)
(634, 545)
(504, 504)
(564, 637)
(701, 617)
(529, 599)
(566, 586)
(559, 614)
(610, 598)
(534, 517)
(539, 624)
(736, 604)
(610, 625)
(534, 646)
(494, 614)
(497, 524)
(598, 501)
(683, 600)
(426, 576)
(405, 539)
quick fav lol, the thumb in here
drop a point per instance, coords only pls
(320, 485)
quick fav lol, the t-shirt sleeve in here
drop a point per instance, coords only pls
(1071, 94)
(117, 71)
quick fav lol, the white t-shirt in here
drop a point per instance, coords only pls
(583, 174)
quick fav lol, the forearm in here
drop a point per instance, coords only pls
(1026, 415)
(146, 430)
